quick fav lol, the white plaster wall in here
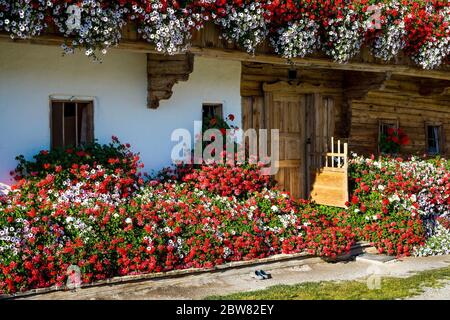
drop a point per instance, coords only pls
(29, 74)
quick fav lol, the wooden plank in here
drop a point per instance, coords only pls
(290, 135)
(299, 88)
(258, 113)
(289, 163)
(330, 188)
(247, 113)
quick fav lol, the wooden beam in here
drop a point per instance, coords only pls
(237, 55)
(322, 63)
(298, 87)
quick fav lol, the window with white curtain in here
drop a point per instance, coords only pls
(71, 123)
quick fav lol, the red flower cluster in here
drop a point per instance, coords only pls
(395, 238)
(398, 136)
(422, 24)
(392, 141)
(327, 233)
(228, 180)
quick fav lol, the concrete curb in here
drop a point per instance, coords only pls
(354, 250)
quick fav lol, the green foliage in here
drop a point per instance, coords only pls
(114, 157)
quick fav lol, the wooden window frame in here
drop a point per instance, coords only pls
(218, 105)
(393, 121)
(76, 101)
(441, 136)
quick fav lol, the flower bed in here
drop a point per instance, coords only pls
(91, 208)
(339, 28)
(399, 204)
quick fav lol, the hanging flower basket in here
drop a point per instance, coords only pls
(167, 27)
(246, 24)
(90, 24)
(437, 48)
(297, 39)
(23, 19)
(343, 36)
(389, 40)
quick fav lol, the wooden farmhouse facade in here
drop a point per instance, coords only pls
(311, 101)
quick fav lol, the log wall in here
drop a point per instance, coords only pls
(406, 101)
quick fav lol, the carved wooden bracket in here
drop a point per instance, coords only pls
(358, 84)
(430, 87)
(163, 72)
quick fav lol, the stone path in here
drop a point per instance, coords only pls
(199, 286)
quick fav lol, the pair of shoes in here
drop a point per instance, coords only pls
(261, 275)
(266, 275)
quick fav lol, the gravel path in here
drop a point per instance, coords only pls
(434, 294)
(199, 286)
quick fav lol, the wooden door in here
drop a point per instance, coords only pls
(305, 116)
(320, 116)
(285, 110)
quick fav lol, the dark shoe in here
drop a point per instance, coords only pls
(257, 275)
(265, 274)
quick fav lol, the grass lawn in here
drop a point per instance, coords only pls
(391, 288)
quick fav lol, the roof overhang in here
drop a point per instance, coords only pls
(207, 43)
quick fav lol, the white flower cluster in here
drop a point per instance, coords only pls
(437, 244)
(78, 193)
(288, 220)
(344, 37)
(12, 238)
(227, 252)
(21, 19)
(169, 30)
(246, 24)
(391, 40)
(80, 228)
(298, 39)
(434, 52)
(99, 27)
